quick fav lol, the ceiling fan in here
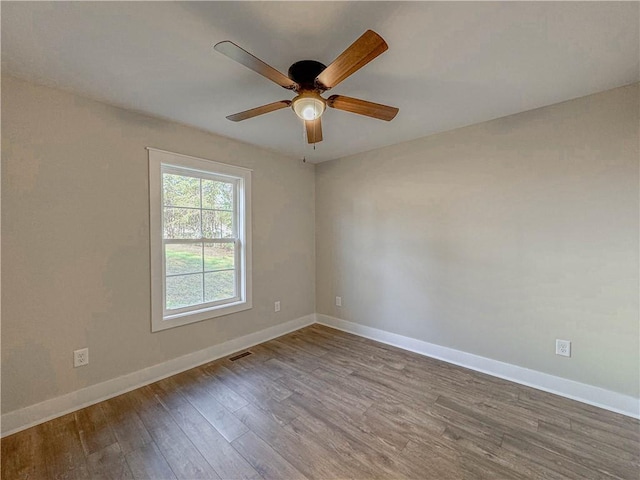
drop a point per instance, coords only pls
(309, 78)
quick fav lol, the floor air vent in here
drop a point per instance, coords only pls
(239, 356)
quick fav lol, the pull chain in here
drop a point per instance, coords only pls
(304, 139)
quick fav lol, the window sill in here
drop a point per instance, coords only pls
(176, 320)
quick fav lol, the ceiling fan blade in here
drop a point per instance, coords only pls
(362, 107)
(254, 112)
(314, 130)
(234, 52)
(361, 52)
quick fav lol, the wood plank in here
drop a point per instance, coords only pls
(259, 396)
(606, 420)
(620, 463)
(226, 461)
(375, 392)
(22, 455)
(216, 414)
(407, 425)
(93, 427)
(301, 341)
(479, 447)
(533, 469)
(352, 449)
(312, 385)
(467, 410)
(355, 426)
(432, 464)
(545, 456)
(307, 456)
(226, 396)
(267, 462)
(283, 367)
(589, 431)
(63, 452)
(181, 455)
(294, 356)
(360, 361)
(125, 423)
(498, 412)
(467, 465)
(472, 425)
(252, 386)
(444, 382)
(109, 464)
(148, 463)
(418, 391)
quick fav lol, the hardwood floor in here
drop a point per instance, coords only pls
(320, 403)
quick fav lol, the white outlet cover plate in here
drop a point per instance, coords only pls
(563, 348)
(338, 301)
(81, 357)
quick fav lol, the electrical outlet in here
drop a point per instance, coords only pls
(338, 301)
(81, 357)
(276, 306)
(563, 347)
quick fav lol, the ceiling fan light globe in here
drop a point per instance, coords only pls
(308, 106)
(309, 113)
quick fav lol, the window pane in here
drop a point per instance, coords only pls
(184, 290)
(219, 285)
(217, 195)
(179, 191)
(181, 223)
(219, 256)
(217, 224)
(185, 258)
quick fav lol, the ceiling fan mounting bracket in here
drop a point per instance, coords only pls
(304, 73)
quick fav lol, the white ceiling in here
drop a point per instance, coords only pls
(449, 64)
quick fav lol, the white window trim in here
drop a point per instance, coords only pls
(158, 159)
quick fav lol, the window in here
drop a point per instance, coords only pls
(200, 239)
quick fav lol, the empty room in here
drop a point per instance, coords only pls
(320, 240)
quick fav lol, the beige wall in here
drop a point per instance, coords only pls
(75, 246)
(496, 239)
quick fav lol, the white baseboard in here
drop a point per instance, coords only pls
(599, 397)
(23, 418)
(18, 420)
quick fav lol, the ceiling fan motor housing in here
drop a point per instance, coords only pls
(304, 73)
